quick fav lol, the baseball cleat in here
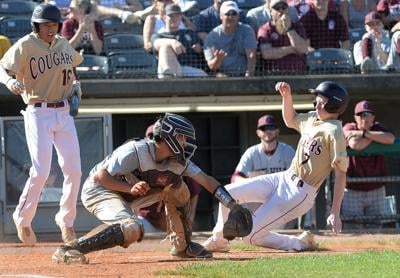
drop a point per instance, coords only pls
(67, 255)
(67, 234)
(307, 241)
(216, 245)
(193, 250)
(25, 234)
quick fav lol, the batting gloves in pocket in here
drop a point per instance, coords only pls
(15, 86)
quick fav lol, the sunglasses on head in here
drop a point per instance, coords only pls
(231, 13)
(280, 6)
(365, 114)
(267, 128)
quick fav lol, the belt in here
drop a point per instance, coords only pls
(50, 104)
(300, 183)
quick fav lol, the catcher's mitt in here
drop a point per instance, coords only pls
(239, 223)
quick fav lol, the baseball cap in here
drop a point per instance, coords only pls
(266, 120)
(364, 106)
(149, 131)
(228, 6)
(172, 9)
(274, 2)
(372, 16)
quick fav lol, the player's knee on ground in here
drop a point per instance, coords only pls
(133, 231)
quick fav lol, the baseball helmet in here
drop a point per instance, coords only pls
(168, 128)
(338, 98)
(45, 13)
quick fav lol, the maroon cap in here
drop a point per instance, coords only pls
(266, 120)
(364, 106)
(149, 130)
(372, 16)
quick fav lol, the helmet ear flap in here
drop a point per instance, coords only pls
(35, 27)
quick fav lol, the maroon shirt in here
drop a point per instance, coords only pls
(155, 213)
(267, 34)
(327, 33)
(366, 165)
(69, 28)
(389, 7)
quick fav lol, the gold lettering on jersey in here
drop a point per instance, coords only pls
(39, 65)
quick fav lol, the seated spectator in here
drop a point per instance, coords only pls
(355, 11)
(126, 5)
(5, 44)
(178, 49)
(155, 23)
(282, 42)
(374, 47)
(153, 217)
(260, 15)
(325, 28)
(393, 62)
(230, 48)
(209, 18)
(390, 11)
(82, 30)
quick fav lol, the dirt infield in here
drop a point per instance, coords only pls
(145, 258)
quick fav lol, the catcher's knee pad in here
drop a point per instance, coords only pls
(133, 231)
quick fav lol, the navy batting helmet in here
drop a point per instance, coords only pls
(168, 128)
(45, 13)
(338, 98)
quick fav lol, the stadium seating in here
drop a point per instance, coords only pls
(122, 42)
(93, 66)
(132, 64)
(355, 35)
(113, 25)
(330, 60)
(15, 28)
(17, 8)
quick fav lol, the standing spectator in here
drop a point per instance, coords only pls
(178, 49)
(82, 30)
(269, 156)
(5, 44)
(260, 15)
(393, 62)
(325, 28)
(390, 11)
(153, 217)
(365, 199)
(375, 45)
(230, 48)
(45, 88)
(282, 42)
(354, 11)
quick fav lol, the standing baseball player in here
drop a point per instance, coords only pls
(138, 174)
(40, 68)
(289, 194)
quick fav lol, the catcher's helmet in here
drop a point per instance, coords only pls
(168, 128)
(45, 13)
(338, 98)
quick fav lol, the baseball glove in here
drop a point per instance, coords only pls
(239, 223)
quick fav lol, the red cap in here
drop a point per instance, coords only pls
(364, 106)
(266, 120)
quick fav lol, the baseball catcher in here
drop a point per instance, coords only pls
(140, 173)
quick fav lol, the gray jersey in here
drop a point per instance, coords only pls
(255, 160)
(393, 61)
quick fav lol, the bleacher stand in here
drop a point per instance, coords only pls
(132, 64)
(15, 27)
(92, 67)
(118, 42)
(330, 60)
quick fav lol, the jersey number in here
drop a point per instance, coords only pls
(66, 76)
(307, 155)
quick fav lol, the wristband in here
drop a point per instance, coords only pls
(224, 197)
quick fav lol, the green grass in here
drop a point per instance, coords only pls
(363, 264)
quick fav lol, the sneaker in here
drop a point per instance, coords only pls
(193, 250)
(67, 255)
(216, 245)
(307, 241)
(25, 234)
(67, 234)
